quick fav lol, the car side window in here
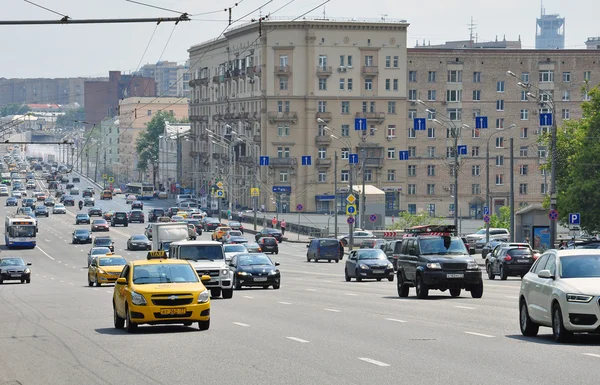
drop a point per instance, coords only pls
(541, 264)
(234, 261)
(125, 272)
(399, 247)
(412, 246)
(551, 264)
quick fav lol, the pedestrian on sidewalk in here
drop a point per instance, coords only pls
(274, 222)
(341, 250)
(283, 225)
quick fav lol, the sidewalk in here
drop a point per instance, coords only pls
(289, 236)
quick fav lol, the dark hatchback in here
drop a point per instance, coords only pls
(509, 261)
(42, 211)
(269, 233)
(136, 216)
(254, 270)
(119, 218)
(14, 269)
(95, 211)
(210, 224)
(269, 245)
(368, 264)
(139, 242)
(104, 242)
(154, 214)
(82, 218)
(67, 200)
(81, 236)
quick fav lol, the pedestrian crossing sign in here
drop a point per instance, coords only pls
(254, 192)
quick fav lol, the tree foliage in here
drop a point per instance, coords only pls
(14, 109)
(146, 144)
(578, 165)
(501, 221)
(71, 118)
(406, 220)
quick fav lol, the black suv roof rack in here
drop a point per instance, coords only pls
(449, 230)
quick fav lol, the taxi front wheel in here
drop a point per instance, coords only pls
(118, 321)
(129, 326)
(204, 325)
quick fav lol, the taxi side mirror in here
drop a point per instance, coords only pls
(205, 278)
(121, 281)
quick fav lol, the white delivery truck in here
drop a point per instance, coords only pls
(163, 234)
(207, 258)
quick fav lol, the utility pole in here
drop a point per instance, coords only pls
(87, 155)
(511, 198)
(335, 192)
(254, 199)
(179, 170)
(363, 197)
(553, 203)
(96, 161)
(104, 171)
(351, 226)
(455, 170)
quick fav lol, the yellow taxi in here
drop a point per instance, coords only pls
(219, 233)
(184, 214)
(105, 269)
(106, 194)
(160, 291)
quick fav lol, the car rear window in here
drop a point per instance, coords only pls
(328, 243)
(269, 241)
(519, 252)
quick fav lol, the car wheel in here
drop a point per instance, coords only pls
(1, 281)
(22, 281)
(344, 242)
(227, 293)
(204, 325)
(358, 278)
(402, 287)
(329, 260)
(276, 286)
(129, 326)
(488, 269)
(90, 283)
(98, 284)
(477, 290)
(337, 260)
(422, 288)
(503, 275)
(117, 320)
(277, 252)
(528, 327)
(455, 292)
(28, 280)
(215, 293)
(237, 284)
(559, 332)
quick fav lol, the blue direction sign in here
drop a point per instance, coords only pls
(264, 160)
(420, 124)
(404, 155)
(553, 215)
(481, 122)
(353, 158)
(350, 220)
(306, 160)
(462, 149)
(546, 119)
(373, 217)
(282, 189)
(299, 207)
(351, 209)
(360, 124)
(486, 218)
(575, 219)
(486, 210)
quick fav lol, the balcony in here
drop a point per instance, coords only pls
(283, 70)
(323, 71)
(217, 117)
(204, 136)
(282, 162)
(255, 116)
(378, 117)
(323, 140)
(246, 160)
(324, 162)
(228, 116)
(370, 70)
(245, 115)
(216, 79)
(204, 119)
(253, 71)
(289, 116)
(326, 116)
(374, 162)
(257, 139)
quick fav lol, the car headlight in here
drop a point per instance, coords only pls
(242, 273)
(434, 265)
(26, 271)
(390, 266)
(137, 299)
(363, 266)
(274, 272)
(203, 297)
(472, 266)
(582, 298)
(225, 272)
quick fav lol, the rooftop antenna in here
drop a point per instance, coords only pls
(542, 6)
(324, 13)
(383, 16)
(472, 27)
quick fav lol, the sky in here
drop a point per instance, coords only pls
(93, 50)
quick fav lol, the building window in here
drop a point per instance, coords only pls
(523, 168)
(391, 175)
(523, 188)
(449, 152)
(412, 95)
(476, 77)
(322, 84)
(412, 133)
(345, 130)
(499, 105)
(387, 84)
(566, 77)
(524, 114)
(345, 176)
(283, 83)
(369, 84)
(412, 76)
(546, 76)
(543, 188)
(321, 130)
(322, 106)
(566, 96)
(345, 107)
(475, 170)
(431, 76)
(431, 95)
(453, 95)
(525, 77)
(350, 86)
(388, 61)
(345, 153)
(523, 151)
(322, 177)
(499, 179)
(322, 153)
(431, 189)
(476, 95)
(412, 114)
(500, 123)
(475, 151)
(475, 189)
(391, 107)
(454, 76)
(542, 152)
(475, 134)
(455, 114)
(524, 96)
(412, 189)
(283, 130)
(431, 132)
(431, 151)
(342, 84)
(412, 151)
(368, 61)
(391, 153)
(368, 175)
(566, 114)
(430, 114)
(500, 86)
(395, 83)
(395, 61)
(524, 132)
(391, 131)
(499, 160)
(283, 176)
(349, 58)
(430, 170)
(283, 152)
(341, 60)
(412, 170)
(149, 113)
(587, 76)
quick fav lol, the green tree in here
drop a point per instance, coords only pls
(578, 165)
(14, 109)
(406, 220)
(501, 221)
(71, 118)
(146, 144)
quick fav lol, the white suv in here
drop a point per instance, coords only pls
(495, 233)
(561, 291)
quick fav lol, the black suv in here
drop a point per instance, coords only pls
(136, 216)
(119, 218)
(434, 258)
(154, 214)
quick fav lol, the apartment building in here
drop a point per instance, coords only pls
(109, 144)
(135, 113)
(466, 83)
(284, 93)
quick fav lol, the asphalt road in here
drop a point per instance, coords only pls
(317, 329)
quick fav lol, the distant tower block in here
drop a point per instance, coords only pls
(550, 31)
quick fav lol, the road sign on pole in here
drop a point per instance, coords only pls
(486, 218)
(546, 119)
(420, 124)
(350, 209)
(373, 217)
(111, 179)
(360, 124)
(481, 122)
(575, 219)
(299, 207)
(105, 176)
(220, 185)
(306, 160)
(353, 158)
(350, 220)
(264, 161)
(553, 215)
(404, 155)
(462, 149)
(351, 199)
(486, 210)
(220, 193)
(254, 192)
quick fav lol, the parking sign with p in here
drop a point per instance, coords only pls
(575, 219)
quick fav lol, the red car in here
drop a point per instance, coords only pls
(100, 225)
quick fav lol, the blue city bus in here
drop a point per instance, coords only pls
(20, 231)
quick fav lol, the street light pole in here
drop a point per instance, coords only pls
(335, 193)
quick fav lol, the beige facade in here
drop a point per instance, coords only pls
(134, 115)
(275, 95)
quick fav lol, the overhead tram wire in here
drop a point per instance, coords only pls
(47, 9)
(67, 20)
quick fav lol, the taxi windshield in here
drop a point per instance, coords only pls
(163, 273)
(117, 261)
(201, 253)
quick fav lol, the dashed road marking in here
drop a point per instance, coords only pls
(591, 355)
(351, 294)
(62, 281)
(465, 307)
(285, 303)
(372, 361)
(240, 324)
(395, 320)
(333, 310)
(310, 289)
(247, 296)
(298, 340)
(479, 334)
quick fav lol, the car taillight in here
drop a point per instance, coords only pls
(507, 258)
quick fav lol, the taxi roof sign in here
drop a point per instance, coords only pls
(158, 254)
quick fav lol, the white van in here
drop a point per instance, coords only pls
(185, 197)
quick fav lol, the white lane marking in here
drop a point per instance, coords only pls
(66, 264)
(59, 261)
(36, 274)
(240, 324)
(47, 240)
(465, 307)
(43, 276)
(71, 283)
(298, 340)
(52, 278)
(310, 289)
(43, 252)
(479, 334)
(372, 361)
(285, 303)
(74, 267)
(247, 296)
(62, 281)
(333, 310)
(591, 355)
(395, 320)
(511, 296)
(352, 294)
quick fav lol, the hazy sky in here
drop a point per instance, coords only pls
(93, 50)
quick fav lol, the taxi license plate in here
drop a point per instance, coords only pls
(455, 275)
(178, 311)
(261, 279)
(378, 271)
(15, 275)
